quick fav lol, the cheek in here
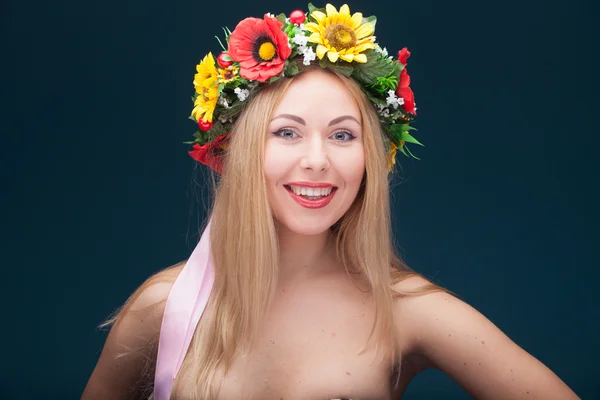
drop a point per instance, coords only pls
(277, 162)
(351, 166)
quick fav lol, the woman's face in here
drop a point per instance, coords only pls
(314, 155)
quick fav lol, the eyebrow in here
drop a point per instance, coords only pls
(302, 122)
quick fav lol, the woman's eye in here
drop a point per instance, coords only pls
(343, 136)
(285, 134)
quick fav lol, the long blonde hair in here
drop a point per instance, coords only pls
(245, 248)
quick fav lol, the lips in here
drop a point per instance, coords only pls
(318, 203)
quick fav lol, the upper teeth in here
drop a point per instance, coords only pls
(307, 191)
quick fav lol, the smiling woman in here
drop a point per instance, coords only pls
(315, 141)
(295, 290)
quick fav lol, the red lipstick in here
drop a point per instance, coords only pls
(304, 202)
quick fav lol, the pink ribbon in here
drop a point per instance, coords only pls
(185, 305)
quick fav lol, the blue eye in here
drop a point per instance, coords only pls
(343, 136)
(285, 134)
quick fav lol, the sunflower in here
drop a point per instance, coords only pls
(391, 156)
(228, 74)
(205, 82)
(340, 35)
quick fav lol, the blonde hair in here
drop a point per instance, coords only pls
(245, 248)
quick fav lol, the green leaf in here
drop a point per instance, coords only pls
(411, 154)
(370, 20)
(374, 67)
(375, 99)
(400, 132)
(227, 33)
(397, 68)
(291, 69)
(401, 149)
(274, 79)
(409, 139)
(281, 18)
(312, 8)
(218, 129)
(220, 43)
(343, 67)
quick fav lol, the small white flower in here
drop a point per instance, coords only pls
(270, 15)
(224, 120)
(223, 102)
(309, 55)
(393, 100)
(300, 40)
(381, 51)
(242, 94)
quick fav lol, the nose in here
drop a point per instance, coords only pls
(315, 156)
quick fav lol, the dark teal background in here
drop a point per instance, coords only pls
(98, 191)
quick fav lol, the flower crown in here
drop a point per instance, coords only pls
(261, 51)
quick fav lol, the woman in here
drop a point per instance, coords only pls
(294, 290)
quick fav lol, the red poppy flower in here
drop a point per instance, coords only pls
(211, 153)
(403, 89)
(261, 48)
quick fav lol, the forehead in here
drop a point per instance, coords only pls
(318, 93)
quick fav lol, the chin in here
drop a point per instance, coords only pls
(305, 226)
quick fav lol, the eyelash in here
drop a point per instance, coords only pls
(277, 133)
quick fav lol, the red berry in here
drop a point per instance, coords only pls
(297, 17)
(224, 60)
(204, 125)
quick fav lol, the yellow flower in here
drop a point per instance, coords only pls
(340, 35)
(391, 156)
(228, 74)
(205, 82)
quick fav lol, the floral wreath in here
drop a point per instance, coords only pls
(261, 51)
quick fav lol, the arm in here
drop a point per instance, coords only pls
(464, 344)
(127, 360)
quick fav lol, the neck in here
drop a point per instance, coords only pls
(304, 256)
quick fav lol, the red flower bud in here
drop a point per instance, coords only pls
(403, 55)
(297, 17)
(204, 125)
(224, 60)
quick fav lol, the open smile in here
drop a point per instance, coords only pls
(312, 197)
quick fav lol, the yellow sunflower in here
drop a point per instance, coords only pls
(340, 35)
(228, 74)
(391, 156)
(205, 82)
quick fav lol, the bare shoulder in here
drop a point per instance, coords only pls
(155, 291)
(407, 331)
(457, 339)
(127, 358)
